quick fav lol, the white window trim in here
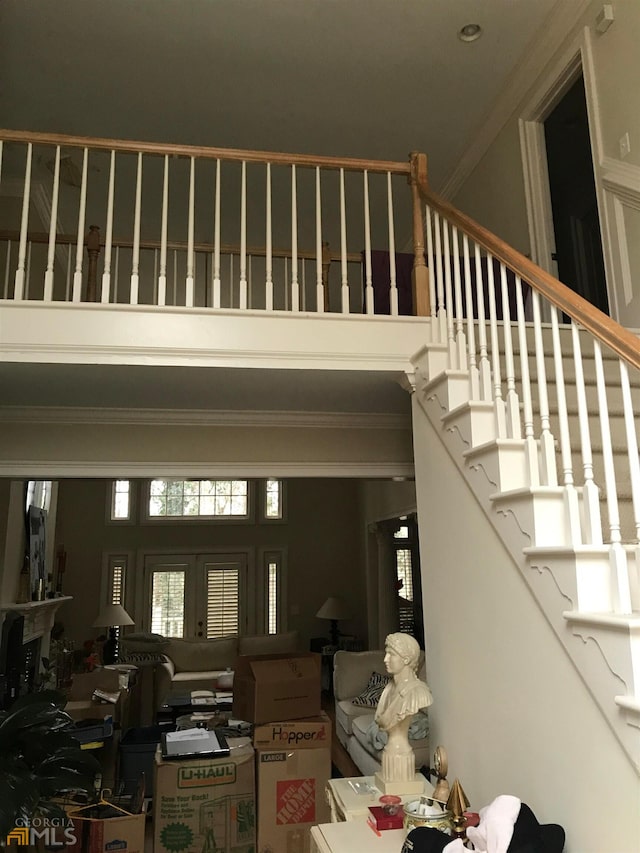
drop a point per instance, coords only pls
(279, 556)
(264, 518)
(110, 503)
(146, 518)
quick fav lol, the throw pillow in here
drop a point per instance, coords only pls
(370, 696)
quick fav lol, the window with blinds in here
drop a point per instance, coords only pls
(167, 602)
(116, 581)
(272, 597)
(223, 601)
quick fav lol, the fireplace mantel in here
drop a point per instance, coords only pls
(39, 616)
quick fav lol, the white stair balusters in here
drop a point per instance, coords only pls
(512, 410)
(368, 288)
(320, 296)
(461, 339)
(51, 252)
(216, 239)
(393, 285)
(548, 469)
(431, 271)
(295, 286)
(496, 376)
(189, 280)
(18, 293)
(268, 297)
(474, 375)
(572, 508)
(442, 310)
(486, 391)
(243, 238)
(135, 260)
(451, 344)
(7, 268)
(530, 445)
(105, 292)
(344, 275)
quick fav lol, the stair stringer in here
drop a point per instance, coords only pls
(602, 657)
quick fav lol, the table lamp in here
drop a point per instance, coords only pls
(112, 616)
(333, 609)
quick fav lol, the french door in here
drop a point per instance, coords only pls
(196, 595)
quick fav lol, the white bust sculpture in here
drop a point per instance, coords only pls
(401, 699)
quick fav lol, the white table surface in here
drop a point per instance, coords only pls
(350, 836)
(355, 806)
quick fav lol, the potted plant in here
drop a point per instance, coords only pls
(39, 760)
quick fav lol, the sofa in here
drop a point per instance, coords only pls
(355, 678)
(196, 664)
(170, 666)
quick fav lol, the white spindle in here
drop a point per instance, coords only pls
(442, 311)
(231, 281)
(175, 277)
(431, 268)
(116, 269)
(190, 252)
(632, 444)
(617, 554)
(499, 408)
(590, 497)
(393, 285)
(24, 225)
(243, 239)
(548, 469)
(108, 243)
(135, 263)
(162, 277)
(67, 290)
(343, 248)
(319, 285)
(461, 338)
(216, 241)
(304, 284)
(28, 270)
(474, 376)
(155, 277)
(484, 366)
(570, 493)
(368, 288)
(7, 267)
(53, 221)
(448, 291)
(269, 261)
(285, 289)
(295, 287)
(77, 275)
(512, 401)
(530, 446)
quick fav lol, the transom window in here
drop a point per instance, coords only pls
(209, 498)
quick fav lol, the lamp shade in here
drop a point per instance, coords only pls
(112, 615)
(334, 608)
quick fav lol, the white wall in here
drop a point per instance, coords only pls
(509, 706)
(320, 535)
(492, 190)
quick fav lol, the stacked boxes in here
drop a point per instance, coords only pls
(206, 804)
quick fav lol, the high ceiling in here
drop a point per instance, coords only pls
(367, 78)
(364, 78)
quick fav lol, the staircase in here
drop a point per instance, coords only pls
(538, 416)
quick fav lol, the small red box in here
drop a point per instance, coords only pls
(381, 820)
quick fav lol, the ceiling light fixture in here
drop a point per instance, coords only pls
(470, 32)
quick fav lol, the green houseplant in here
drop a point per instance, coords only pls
(39, 760)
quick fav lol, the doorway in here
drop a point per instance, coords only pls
(578, 241)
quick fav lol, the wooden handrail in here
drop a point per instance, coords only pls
(181, 245)
(349, 164)
(623, 342)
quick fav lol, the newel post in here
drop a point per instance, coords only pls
(420, 273)
(92, 243)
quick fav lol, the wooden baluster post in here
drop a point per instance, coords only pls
(92, 242)
(420, 274)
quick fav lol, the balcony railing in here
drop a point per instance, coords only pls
(114, 222)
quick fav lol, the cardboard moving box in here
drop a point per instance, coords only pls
(309, 733)
(269, 688)
(206, 804)
(291, 797)
(119, 831)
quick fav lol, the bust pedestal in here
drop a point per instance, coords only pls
(398, 774)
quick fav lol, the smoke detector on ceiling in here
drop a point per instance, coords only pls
(470, 32)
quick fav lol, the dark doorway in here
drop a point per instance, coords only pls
(573, 198)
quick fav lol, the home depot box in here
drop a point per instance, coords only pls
(206, 804)
(268, 688)
(309, 733)
(291, 797)
(104, 828)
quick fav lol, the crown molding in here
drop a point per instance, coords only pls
(69, 469)
(557, 29)
(621, 179)
(200, 417)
